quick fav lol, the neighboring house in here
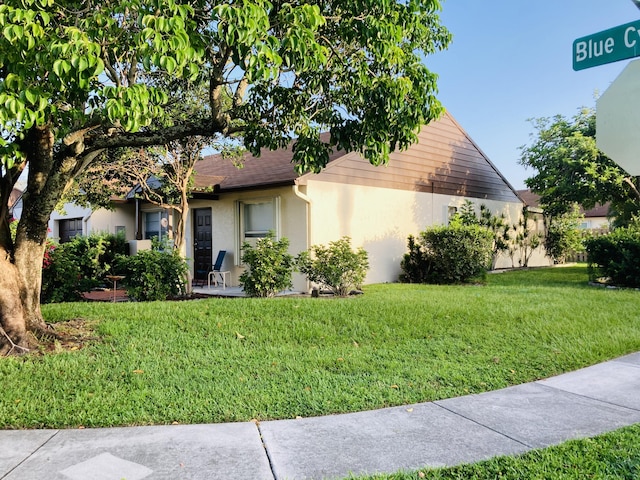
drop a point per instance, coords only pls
(594, 219)
(77, 220)
(378, 207)
(15, 203)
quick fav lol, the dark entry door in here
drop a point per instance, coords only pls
(69, 229)
(202, 244)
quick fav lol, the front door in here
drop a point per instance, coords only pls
(202, 244)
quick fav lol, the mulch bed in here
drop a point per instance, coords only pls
(106, 295)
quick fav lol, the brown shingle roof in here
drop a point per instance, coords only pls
(272, 168)
(529, 198)
(533, 200)
(203, 182)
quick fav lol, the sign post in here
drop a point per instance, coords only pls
(617, 43)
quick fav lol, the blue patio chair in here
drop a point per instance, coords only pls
(216, 273)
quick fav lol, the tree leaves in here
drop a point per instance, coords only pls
(570, 169)
(353, 68)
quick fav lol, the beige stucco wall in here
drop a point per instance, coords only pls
(225, 227)
(379, 220)
(106, 221)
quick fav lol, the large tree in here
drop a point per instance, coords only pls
(570, 169)
(80, 77)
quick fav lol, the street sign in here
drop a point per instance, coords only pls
(617, 43)
(618, 117)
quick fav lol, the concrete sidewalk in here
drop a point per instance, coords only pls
(448, 432)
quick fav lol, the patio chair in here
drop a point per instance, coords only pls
(216, 271)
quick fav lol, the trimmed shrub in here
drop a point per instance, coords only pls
(269, 267)
(153, 275)
(452, 254)
(336, 267)
(94, 256)
(414, 264)
(615, 256)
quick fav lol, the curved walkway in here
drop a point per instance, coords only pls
(584, 403)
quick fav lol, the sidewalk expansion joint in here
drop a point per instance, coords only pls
(266, 450)
(484, 426)
(30, 455)
(587, 397)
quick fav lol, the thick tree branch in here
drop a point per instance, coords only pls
(132, 74)
(634, 189)
(109, 70)
(241, 89)
(216, 87)
(203, 128)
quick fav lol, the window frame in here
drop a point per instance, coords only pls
(163, 232)
(241, 233)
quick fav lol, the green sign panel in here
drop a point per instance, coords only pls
(617, 43)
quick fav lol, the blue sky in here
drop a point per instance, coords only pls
(511, 60)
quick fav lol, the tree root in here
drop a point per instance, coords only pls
(46, 331)
(14, 346)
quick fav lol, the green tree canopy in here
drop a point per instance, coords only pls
(570, 169)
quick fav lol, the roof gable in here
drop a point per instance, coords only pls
(444, 160)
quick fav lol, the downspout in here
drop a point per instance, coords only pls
(307, 201)
(138, 221)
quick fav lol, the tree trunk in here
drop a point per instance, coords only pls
(21, 267)
(180, 230)
(13, 333)
(28, 262)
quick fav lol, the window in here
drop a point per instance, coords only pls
(156, 225)
(451, 211)
(69, 228)
(258, 219)
(255, 219)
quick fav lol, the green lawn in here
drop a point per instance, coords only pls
(221, 360)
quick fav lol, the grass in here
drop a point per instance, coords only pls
(222, 360)
(612, 456)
